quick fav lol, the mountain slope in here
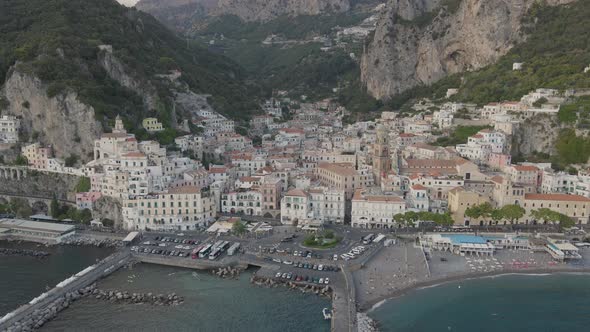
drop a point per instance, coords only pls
(174, 12)
(555, 53)
(109, 58)
(420, 42)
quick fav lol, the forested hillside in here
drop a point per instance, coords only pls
(57, 40)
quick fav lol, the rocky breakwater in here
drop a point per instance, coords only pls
(320, 290)
(23, 252)
(227, 272)
(365, 323)
(90, 241)
(41, 316)
(125, 297)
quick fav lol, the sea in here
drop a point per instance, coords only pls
(513, 302)
(23, 278)
(210, 303)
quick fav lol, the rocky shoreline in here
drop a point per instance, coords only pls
(124, 297)
(303, 287)
(227, 272)
(39, 317)
(366, 323)
(23, 252)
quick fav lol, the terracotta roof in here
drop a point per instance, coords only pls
(185, 190)
(338, 168)
(406, 135)
(249, 179)
(523, 168)
(477, 136)
(498, 179)
(218, 170)
(296, 192)
(418, 187)
(556, 197)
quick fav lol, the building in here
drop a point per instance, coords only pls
(418, 198)
(37, 156)
(459, 200)
(381, 155)
(573, 206)
(86, 200)
(182, 208)
(43, 232)
(152, 125)
(9, 127)
(242, 201)
(318, 205)
(339, 176)
(524, 174)
(375, 211)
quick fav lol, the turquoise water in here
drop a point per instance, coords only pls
(537, 303)
(23, 278)
(211, 304)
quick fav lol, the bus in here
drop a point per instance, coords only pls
(195, 252)
(205, 251)
(217, 244)
(379, 238)
(367, 239)
(234, 247)
(224, 245)
(215, 253)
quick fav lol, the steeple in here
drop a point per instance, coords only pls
(119, 127)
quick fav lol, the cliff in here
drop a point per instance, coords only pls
(62, 121)
(536, 134)
(174, 13)
(420, 42)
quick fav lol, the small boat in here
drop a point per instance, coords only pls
(327, 313)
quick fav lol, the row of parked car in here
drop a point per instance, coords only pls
(301, 278)
(162, 252)
(318, 267)
(176, 240)
(356, 251)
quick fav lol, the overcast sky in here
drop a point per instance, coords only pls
(128, 2)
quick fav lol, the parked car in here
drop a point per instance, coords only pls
(327, 281)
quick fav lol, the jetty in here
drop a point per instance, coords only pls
(70, 285)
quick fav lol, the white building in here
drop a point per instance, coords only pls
(248, 202)
(182, 208)
(321, 205)
(9, 127)
(375, 211)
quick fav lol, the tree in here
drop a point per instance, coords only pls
(512, 212)
(83, 185)
(496, 216)
(21, 161)
(238, 228)
(553, 217)
(54, 207)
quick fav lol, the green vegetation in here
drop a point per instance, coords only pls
(576, 112)
(58, 41)
(572, 149)
(62, 211)
(290, 27)
(553, 217)
(410, 218)
(511, 212)
(17, 206)
(83, 185)
(554, 54)
(238, 228)
(21, 160)
(459, 135)
(322, 240)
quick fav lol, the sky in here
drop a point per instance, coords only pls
(128, 3)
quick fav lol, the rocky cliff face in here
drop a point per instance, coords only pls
(419, 42)
(176, 11)
(118, 72)
(62, 121)
(536, 134)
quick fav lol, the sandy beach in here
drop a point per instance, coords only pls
(399, 269)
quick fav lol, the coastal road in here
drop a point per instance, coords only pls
(344, 304)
